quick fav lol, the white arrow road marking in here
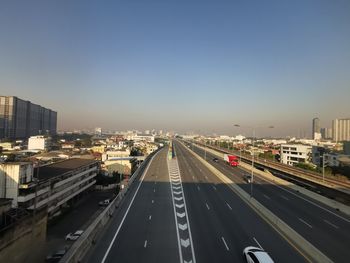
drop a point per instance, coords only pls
(180, 205)
(185, 243)
(181, 215)
(178, 198)
(183, 227)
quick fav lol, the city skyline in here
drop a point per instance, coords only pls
(180, 66)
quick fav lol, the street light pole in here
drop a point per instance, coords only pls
(252, 179)
(252, 171)
(323, 166)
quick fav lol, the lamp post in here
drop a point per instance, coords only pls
(252, 171)
(323, 166)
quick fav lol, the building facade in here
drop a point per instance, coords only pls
(22, 119)
(341, 130)
(52, 186)
(39, 143)
(316, 130)
(295, 153)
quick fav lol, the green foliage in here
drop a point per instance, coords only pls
(106, 180)
(267, 156)
(305, 166)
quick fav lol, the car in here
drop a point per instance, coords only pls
(215, 159)
(104, 202)
(248, 178)
(74, 236)
(56, 257)
(256, 255)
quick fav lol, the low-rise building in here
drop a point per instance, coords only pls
(111, 154)
(52, 186)
(98, 149)
(295, 153)
(144, 137)
(7, 146)
(39, 143)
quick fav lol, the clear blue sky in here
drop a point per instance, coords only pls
(179, 65)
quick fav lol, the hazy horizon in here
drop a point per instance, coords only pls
(197, 66)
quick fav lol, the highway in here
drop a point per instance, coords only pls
(180, 212)
(146, 231)
(325, 228)
(222, 225)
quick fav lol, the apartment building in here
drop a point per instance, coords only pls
(22, 119)
(341, 130)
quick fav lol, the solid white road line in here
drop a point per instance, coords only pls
(256, 241)
(229, 206)
(127, 211)
(331, 224)
(150, 217)
(223, 240)
(301, 220)
(207, 206)
(145, 244)
(152, 201)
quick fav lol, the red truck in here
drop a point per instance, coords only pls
(231, 159)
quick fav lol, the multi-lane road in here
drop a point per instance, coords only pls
(325, 228)
(143, 229)
(179, 211)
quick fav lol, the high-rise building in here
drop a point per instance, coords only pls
(341, 130)
(316, 130)
(22, 119)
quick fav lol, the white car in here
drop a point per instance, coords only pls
(256, 255)
(74, 236)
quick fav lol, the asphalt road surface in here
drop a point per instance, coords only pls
(180, 212)
(222, 224)
(324, 227)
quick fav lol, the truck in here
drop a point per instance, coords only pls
(230, 159)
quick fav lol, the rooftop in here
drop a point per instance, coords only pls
(59, 168)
